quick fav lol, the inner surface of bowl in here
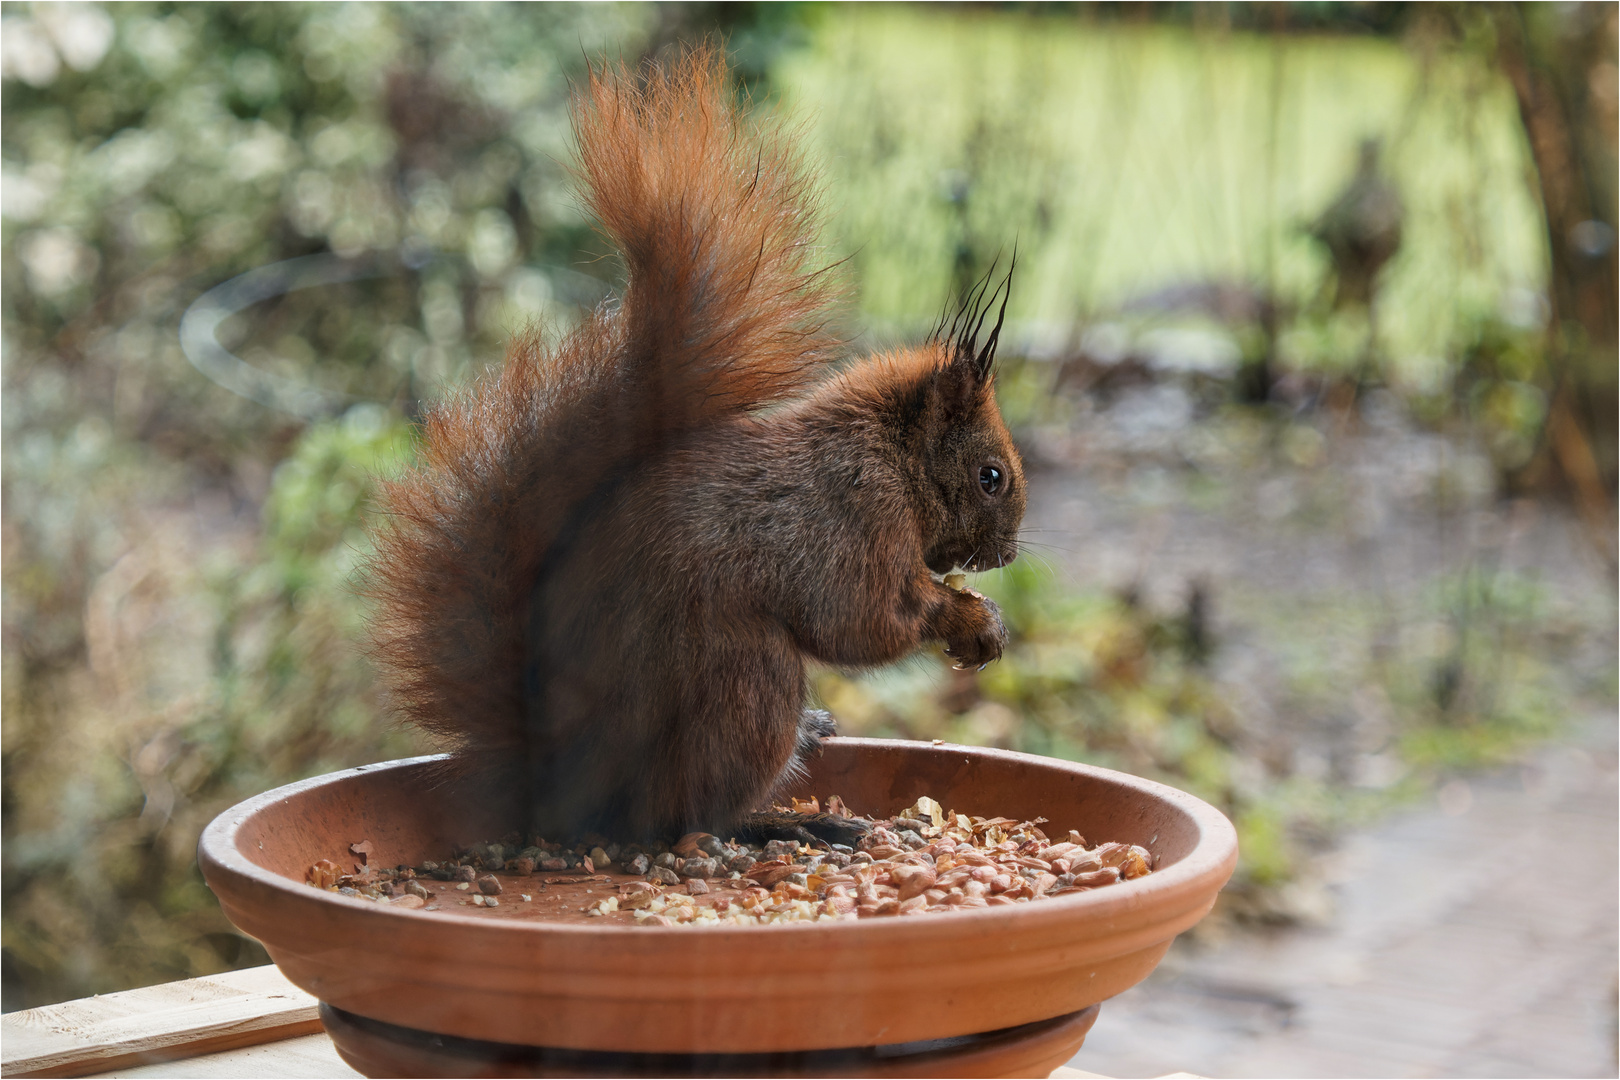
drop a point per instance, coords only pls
(726, 989)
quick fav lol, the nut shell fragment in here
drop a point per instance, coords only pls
(687, 847)
(323, 874)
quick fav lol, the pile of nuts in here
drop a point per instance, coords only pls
(924, 859)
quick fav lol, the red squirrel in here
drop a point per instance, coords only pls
(601, 582)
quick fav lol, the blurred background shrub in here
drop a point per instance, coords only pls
(1264, 251)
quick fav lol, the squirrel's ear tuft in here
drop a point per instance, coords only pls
(959, 332)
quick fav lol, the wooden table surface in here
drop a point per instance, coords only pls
(248, 1023)
(240, 1023)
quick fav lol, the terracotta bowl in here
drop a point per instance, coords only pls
(726, 989)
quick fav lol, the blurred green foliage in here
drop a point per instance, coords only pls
(219, 665)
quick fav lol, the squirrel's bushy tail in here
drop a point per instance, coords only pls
(716, 225)
(722, 312)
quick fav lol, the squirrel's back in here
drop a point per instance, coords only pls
(721, 314)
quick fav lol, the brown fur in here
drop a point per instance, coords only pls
(602, 582)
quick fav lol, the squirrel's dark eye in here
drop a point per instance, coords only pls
(990, 479)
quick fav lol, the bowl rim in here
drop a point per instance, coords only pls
(1213, 856)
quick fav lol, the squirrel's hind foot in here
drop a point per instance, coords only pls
(813, 829)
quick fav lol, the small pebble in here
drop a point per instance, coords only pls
(489, 885)
(638, 865)
(464, 886)
(465, 873)
(663, 874)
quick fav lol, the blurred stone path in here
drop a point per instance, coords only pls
(1474, 936)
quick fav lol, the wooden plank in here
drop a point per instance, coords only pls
(155, 1023)
(307, 1057)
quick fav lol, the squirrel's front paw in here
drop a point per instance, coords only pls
(986, 636)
